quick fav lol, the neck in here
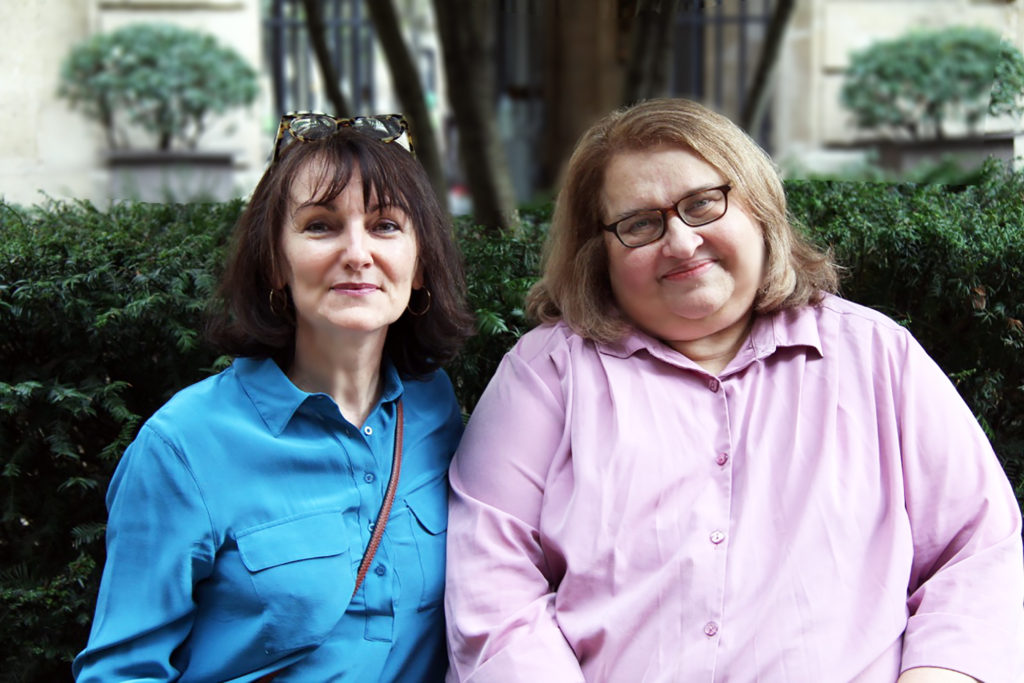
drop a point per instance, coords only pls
(346, 369)
(713, 352)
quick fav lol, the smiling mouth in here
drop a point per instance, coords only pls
(689, 270)
(356, 288)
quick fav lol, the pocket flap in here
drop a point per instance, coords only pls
(429, 504)
(318, 535)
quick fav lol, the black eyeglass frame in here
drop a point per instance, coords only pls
(363, 124)
(666, 214)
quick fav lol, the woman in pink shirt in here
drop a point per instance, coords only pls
(705, 466)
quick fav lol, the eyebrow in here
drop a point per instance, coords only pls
(696, 190)
(328, 206)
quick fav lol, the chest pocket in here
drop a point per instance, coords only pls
(301, 570)
(428, 524)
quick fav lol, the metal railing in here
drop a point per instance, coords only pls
(295, 76)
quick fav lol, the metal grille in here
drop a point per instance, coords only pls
(295, 76)
(717, 46)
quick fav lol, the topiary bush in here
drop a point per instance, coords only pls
(162, 78)
(922, 81)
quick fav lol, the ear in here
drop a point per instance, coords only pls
(417, 278)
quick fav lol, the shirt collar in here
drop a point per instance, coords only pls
(276, 399)
(788, 328)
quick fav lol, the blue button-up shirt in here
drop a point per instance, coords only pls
(238, 518)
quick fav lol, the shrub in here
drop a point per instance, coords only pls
(99, 315)
(98, 320)
(948, 262)
(499, 273)
(921, 81)
(163, 78)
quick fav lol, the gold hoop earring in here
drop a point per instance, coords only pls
(425, 308)
(283, 305)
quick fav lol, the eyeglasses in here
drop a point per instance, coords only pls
(308, 126)
(695, 209)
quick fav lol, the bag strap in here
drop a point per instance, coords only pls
(385, 508)
(382, 516)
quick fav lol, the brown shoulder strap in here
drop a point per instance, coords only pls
(389, 498)
(382, 516)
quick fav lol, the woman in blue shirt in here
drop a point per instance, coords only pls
(240, 516)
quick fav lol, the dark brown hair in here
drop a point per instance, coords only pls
(244, 321)
(575, 287)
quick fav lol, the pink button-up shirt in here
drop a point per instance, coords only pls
(826, 509)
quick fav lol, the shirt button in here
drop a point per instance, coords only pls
(722, 458)
(369, 478)
(380, 570)
(368, 430)
(710, 628)
(371, 525)
(717, 537)
(713, 384)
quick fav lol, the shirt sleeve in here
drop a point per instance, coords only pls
(159, 544)
(501, 580)
(966, 590)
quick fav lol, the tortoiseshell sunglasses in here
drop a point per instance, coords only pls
(307, 126)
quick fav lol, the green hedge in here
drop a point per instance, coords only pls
(947, 262)
(99, 312)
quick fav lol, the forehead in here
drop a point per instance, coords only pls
(655, 176)
(322, 179)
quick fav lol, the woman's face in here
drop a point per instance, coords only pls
(349, 269)
(693, 283)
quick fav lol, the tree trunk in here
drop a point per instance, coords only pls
(651, 42)
(583, 76)
(760, 87)
(468, 37)
(318, 39)
(406, 80)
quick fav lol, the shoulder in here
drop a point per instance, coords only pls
(549, 341)
(862, 341)
(431, 395)
(429, 387)
(199, 402)
(852, 326)
(855, 314)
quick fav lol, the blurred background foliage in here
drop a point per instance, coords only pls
(165, 79)
(924, 82)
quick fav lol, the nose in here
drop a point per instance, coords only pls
(355, 248)
(680, 240)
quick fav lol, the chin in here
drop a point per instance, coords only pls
(697, 311)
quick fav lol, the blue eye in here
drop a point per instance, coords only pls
(386, 226)
(641, 224)
(702, 205)
(316, 227)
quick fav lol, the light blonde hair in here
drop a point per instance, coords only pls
(575, 287)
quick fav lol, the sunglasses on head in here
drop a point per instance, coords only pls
(309, 126)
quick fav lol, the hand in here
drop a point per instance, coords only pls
(931, 674)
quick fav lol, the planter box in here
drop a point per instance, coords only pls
(970, 152)
(150, 176)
